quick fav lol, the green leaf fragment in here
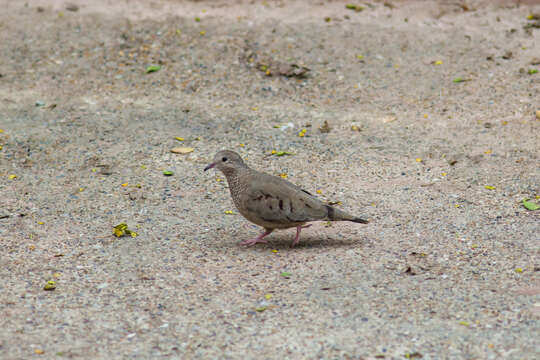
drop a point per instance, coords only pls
(131, 233)
(529, 205)
(532, 71)
(285, 274)
(460, 79)
(282, 153)
(168, 173)
(260, 308)
(153, 68)
(354, 7)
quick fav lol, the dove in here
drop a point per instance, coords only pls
(272, 202)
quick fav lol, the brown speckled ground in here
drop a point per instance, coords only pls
(433, 274)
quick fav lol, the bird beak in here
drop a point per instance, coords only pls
(210, 166)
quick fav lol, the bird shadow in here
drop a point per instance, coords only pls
(306, 242)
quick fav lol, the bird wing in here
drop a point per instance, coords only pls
(275, 200)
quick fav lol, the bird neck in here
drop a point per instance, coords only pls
(234, 175)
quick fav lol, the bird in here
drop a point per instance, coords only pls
(272, 202)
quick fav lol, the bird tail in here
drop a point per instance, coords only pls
(334, 214)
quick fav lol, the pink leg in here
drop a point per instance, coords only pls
(258, 239)
(298, 229)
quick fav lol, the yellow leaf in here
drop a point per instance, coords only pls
(489, 187)
(1, 131)
(359, 57)
(120, 230)
(50, 285)
(41, 222)
(182, 150)
(273, 152)
(519, 270)
(202, 33)
(444, 174)
(464, 323)
(229, 212)
(318, 191)
(425, 116)
(283, 175)
(355, 128)
(124, 184)
(219, 179)
(179, 138)
(268, 296)
(81, 189)
(12, 176)
(457, 205)
(39, 351)
(274, 251)
(254, 108)
(487, 152)
(241, 145)
(419, 160)
(438, 62)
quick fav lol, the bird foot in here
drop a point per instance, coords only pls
(258, 239)
(252, 242)
(298, 229)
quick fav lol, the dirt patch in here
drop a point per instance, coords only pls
(432, 133)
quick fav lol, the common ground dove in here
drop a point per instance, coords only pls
(272, 202)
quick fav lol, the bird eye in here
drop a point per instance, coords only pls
(224, 159)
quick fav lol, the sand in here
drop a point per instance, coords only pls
(447, 268)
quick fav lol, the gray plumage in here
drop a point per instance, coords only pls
(270, 201)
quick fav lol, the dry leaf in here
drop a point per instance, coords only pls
(182, 150)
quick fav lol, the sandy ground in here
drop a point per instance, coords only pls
(449, 266)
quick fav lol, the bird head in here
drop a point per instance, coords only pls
(227, 162)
